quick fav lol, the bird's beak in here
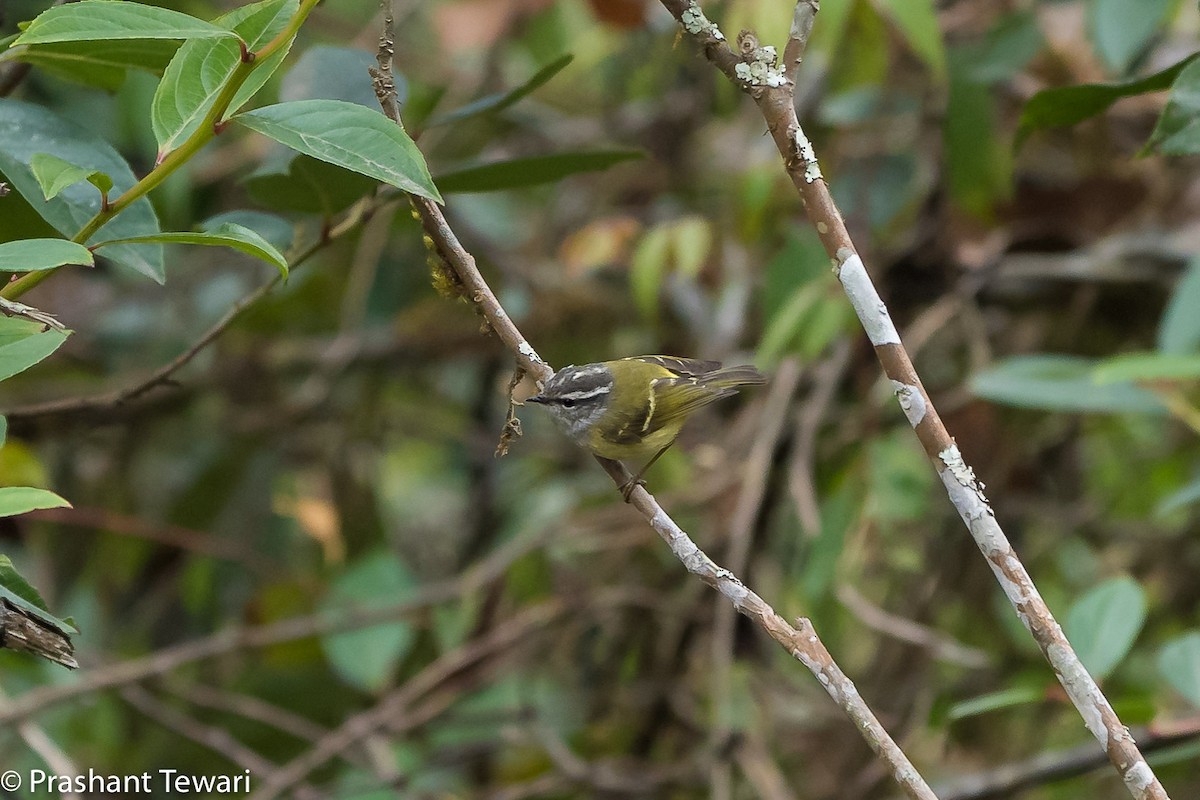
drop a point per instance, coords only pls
(537, 398)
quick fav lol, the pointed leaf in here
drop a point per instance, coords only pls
(917, 20)
(30, 255)
(202, 67)
(522, 172)
(229, 235)
(498, 102)
(54, 174)
(102, 64)
(1179, 329)
(1121, 29)
(90, 20)
(348, 135)
(1103, 624)
(24, 343)
(25, 131)
(16, 500)
(1179, 663)
(1059, 383)
(1147, 368)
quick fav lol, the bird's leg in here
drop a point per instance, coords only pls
(636, 480)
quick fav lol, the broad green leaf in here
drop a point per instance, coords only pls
(367, 658)
(306, 185)
(1179, 329)
(1059, 383)
(24, 343)
(1011, 43)
(325, 72)
(1147, 367)
(1103, 624)
(917, 20)
(1180, 498)
(202, 68)
(1068, 105)
(229, 235)
(647, 268)
(90, 20)
(30, 255)
(500, 101)
(16, 500)
(102, 64)
(522, 172)
(995, 701)
(348, 135)
(17, 590)
(1179, 663)
(26, 130)
(979, 167)
(1121, 29)
(275, 229)
(54, 174)
(1178, 129)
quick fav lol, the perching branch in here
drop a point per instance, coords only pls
(800, 641)
(755, 70)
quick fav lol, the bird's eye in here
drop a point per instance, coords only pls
(568, 403)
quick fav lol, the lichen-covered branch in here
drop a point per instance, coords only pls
(752, 69)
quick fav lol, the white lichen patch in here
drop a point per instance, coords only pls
(808, 157)
(1139, 777)
(871, 311)
(695, 23)
(911, 400)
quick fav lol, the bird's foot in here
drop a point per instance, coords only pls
(629, 486)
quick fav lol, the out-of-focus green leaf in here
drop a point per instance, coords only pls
(917, 20)
(1103, 624)
(979, 167)
(54, 174)
(16, 500)
(3, 430)
(325, 72)
(898, 481)
(1068, 105)
(647, 268)
(1011, 43)
(1179, 663)
(820, 560)
(1179, 329)
(24, 343)
(500, 101)
(17, 590)
(1180, 498)
(30, 255)
(995, 701)
(229, 235)
(26, 130)
(202, 68)
(1059, 383)
(692, 239)
(1178, 128)
(103, 64)
(300, 183)
(367, 658)
(91, 20)
(1121, 29)
(1147, 367)
(348, 135)
(522, 172)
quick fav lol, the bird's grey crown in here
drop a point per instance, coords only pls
(577, 397)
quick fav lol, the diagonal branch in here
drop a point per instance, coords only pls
(755, 71)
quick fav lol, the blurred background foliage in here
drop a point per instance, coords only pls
(333, 449)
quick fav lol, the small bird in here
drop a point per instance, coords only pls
(634, 408)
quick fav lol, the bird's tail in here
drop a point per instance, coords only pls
(732, 377)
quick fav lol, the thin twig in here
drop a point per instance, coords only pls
(753, 70)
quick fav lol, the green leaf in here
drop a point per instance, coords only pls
(1011, 43)
(3, 430)
(202, 68)
(229, 235)
(54, 174)
(917, 20)
(90, 20)
(1180, 498)
(1178, 128)
(522, 172)
(979, 167)
(275, 229)
(17, 590)
(995, 701)
(1103, 624)
(1068, 105)
(30, 255)
(325, 72)
(1121, 29)
(104, 64)
(348, 135)
(647, 268)
(502, 100)
(306, 185)
(367, 658)
(1179, 663)
(1147, 367)
(16, 500)
(1059, 383)
(26, 130)
(23, 343)
(1179, 329)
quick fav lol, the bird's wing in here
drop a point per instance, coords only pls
(687, 395)
(680, 366)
